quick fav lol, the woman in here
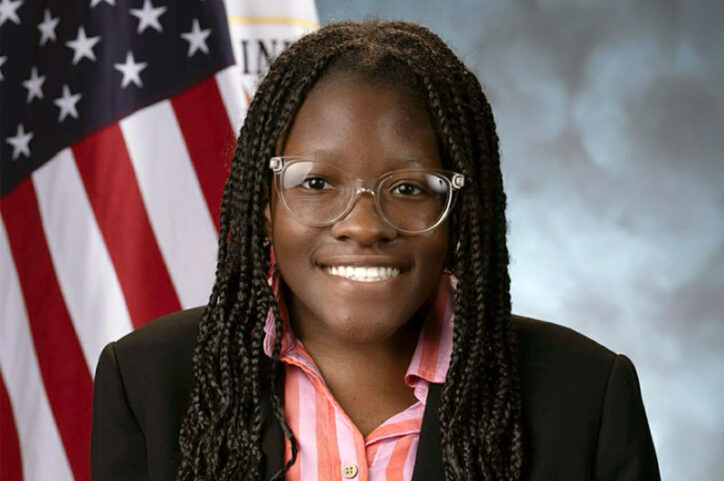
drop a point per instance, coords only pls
(360, 324)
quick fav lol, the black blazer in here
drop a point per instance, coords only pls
(582, 410)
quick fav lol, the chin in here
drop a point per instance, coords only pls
(363, 326)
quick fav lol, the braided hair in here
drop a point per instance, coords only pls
(480, 412)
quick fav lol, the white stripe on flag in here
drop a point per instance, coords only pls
(229, 83)
(41, 449)
(282, 12)
(82, 264)
(175, 204)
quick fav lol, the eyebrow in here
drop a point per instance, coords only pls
(410, 159)
(323, 154)
(326, 154)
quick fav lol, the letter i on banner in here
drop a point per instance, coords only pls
(260, 30)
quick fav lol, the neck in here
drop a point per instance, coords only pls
(366, 379)
(391, 354)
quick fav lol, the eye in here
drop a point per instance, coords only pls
(406, 188)
(316, 183)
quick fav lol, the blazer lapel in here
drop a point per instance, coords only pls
(428, 459)
(272, 438)
(272, 445)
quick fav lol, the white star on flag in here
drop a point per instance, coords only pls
(197, 38)
(131, 70)
(83, 46)
(96, 2)
(21, 142)
(34, 85)
(3, 59)
(67, 104)
(47, 28)
(9, 10)
(148, 16)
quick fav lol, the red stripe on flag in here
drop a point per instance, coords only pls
(209, 138)
(67, 380)
(110, 181)
(11, 467)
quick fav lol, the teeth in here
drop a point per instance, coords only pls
(364, 274)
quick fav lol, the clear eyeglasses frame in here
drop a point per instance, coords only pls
(412, 201)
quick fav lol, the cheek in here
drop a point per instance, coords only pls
(431, 255)
(433, 250)
(294, 245)
(291, 239)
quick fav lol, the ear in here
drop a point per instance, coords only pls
(453, 245)
(268, 223)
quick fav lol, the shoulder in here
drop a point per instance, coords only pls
(155, 358)
(561, 370)
(142, 389)
(543, 341)
(171, 335)
(564, 377)
(578, 394)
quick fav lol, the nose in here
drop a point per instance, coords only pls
(363, 224)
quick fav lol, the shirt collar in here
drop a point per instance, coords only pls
(431, 358)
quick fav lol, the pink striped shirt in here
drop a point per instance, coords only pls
(330, 445)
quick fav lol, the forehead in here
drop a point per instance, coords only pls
(370, 126)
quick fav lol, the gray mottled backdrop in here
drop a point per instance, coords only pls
(611, 120)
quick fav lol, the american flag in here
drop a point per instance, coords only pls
(118, 124)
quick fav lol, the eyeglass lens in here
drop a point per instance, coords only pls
(410, 200)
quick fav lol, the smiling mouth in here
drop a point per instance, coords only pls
(363, 273)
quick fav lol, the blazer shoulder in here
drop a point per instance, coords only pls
(142, 390)
(157, 357)
(544, 341)
(561, 368)
(173, 332)
(581, 395)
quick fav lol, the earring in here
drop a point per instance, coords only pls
(451, 260)
(267, 243)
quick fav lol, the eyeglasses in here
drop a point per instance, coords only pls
(412, 201)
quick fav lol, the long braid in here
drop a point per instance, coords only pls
(480, 414)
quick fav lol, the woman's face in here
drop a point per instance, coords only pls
(367, 129)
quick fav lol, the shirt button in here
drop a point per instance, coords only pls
(349, 470)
